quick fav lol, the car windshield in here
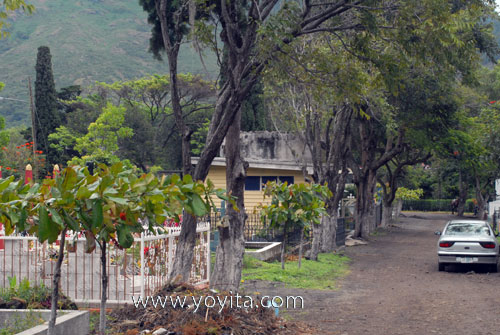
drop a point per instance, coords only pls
(468, 228)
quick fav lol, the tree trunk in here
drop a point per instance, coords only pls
(329, 223)
(184, 131)
(55, 285)
(481, 199)
(104, 290)
(184, 249)
(300, 246)
(283, 247)
(231, 248)
(365, 207)
(462, 197)
(317, 231)
(399, 208)
(386, 214)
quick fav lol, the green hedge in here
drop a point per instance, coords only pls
(434, 205)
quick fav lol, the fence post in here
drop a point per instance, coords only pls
(142, 265)
(170, 250)
(209, 256)
(55, 171)
(28, 174)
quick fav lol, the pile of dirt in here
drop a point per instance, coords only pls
(200, 319)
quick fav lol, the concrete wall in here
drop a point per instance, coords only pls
(72, 322)
(269, 145)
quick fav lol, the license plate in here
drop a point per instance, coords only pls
(467, 259)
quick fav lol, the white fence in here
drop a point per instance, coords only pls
(139, 270)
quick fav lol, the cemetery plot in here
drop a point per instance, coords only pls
(136, 271)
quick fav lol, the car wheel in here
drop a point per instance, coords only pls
(493, 268)
(441, 266)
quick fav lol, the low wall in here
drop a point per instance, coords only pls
(268, 250)
(72, 322)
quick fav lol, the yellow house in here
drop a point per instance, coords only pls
(258, 173)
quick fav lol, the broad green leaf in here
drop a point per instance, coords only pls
(120, 201)
(198, 206)
(97, 217)
(83, 193)
(56, 217)
(125, 238)
(47, 229)
(70, 222)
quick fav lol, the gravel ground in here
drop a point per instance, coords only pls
(395, 288)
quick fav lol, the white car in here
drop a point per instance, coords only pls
(468, 242)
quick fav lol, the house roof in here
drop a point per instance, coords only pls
(261, 164)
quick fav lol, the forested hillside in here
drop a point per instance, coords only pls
(90, 40)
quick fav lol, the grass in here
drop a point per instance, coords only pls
(320, 275)
(378, 232)
(94, 323)
(22, 322)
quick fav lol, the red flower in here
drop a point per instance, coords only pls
(123, 216)
(492, 102)
(8, 168)
(18, 147)
(146, 249)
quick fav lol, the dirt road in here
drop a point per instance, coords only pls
(395, 288)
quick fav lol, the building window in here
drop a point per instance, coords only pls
(252, 184)
(265, 179)
(256, 183)
(288, 179)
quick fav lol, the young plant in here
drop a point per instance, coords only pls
(293, 206)
(105, 206)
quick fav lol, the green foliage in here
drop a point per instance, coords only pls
(144, 107)
(101, 141)
(254, 114)
(34, 296)
(7, 8)
(91, 41)
(434, 205)
(316, 275)
(198, 138)
(92, 204)
(63, 141)
(22, 322)
(294, 205)
(406, 194)
(47, 117)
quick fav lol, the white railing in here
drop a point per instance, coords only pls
(139, 270)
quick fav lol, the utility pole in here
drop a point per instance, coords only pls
(32, 105)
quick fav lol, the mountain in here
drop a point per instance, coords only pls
(90, 40)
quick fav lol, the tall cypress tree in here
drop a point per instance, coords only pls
(47, 117)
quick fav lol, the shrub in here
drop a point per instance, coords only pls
(434, 205)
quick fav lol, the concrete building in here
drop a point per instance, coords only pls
(271, 156)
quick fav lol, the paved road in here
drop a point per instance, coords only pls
(395, 288)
